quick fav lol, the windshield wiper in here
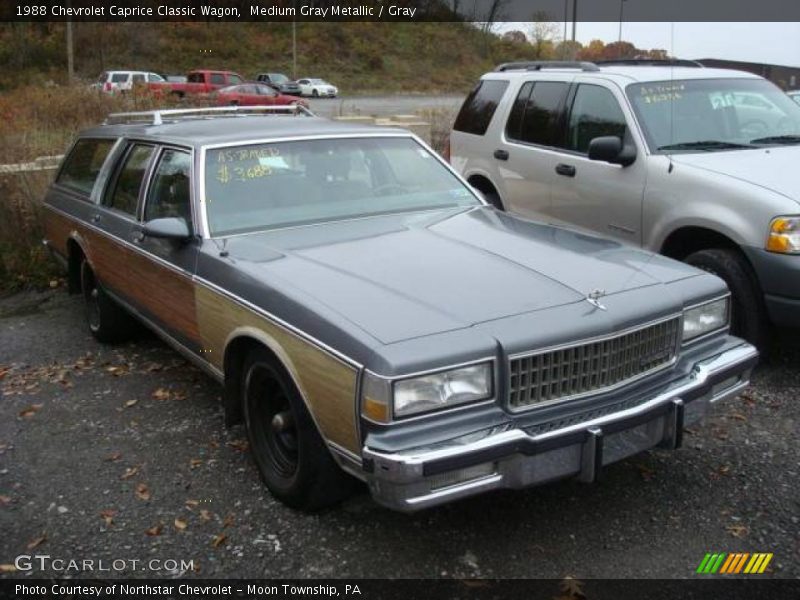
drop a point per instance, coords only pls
(705, 145)
(777, 139)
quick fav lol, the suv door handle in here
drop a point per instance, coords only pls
(565, 170)
(501, 154)
(96, 218)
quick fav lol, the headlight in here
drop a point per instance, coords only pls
(445, 389)
(784, 235)
(705, 318)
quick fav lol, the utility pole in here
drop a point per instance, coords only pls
(574, 17)
(294, 42)
(621, 5)
(70, 58)
(566, 21)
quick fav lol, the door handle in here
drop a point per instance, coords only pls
(138, 236)
(565, 170)
(96, 218)
(501, 154)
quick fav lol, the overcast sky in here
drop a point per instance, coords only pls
(776, 43)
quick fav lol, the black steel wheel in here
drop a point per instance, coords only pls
(107, 321)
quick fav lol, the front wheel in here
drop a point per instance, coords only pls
(315, 93)
(748, 314)
(291, 457)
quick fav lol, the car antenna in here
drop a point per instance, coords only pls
(671, 94)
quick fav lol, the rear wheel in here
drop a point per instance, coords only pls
(315, 93)
(291, 457)
(107, 321)
(748, 314)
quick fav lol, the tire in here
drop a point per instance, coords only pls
(292, 459)
(493, 198)
(748, 314)
(108, 322)
(315, 93)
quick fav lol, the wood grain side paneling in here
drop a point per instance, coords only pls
(57, 230)
(327, 384)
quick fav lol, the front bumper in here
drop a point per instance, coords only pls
(779, 275)
(510, 457)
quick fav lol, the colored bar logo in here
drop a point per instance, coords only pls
(734, 563)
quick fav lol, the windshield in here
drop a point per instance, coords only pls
(278, 78)
(266, 186)
(697, 115)
(318, 81)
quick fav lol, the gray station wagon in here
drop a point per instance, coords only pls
(384, 323)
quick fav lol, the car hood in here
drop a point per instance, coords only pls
(401, 277)
(772, 168)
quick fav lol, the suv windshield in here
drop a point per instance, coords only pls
(705, 115)
(278, 78)
(265, 186)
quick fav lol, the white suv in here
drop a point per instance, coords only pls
(112, 82)
(698, 164)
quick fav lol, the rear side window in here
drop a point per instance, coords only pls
(234, 79)
(595, 113)
(540, 122)
(168, 194)
(217, 79)
(125, 194)
(195, 78)
(479, 107)
(514, 125)
(119, 77)
(83, 164)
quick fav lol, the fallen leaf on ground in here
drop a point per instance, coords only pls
(108, 516)
(155, 530)
(4, 371)
(130, 403)
(129, 472)
(228, 521)
(113, 456)
(218, 540)
(205, 515)
(180, 524)
(8, 569)
(118, 370)
(195, 462)
(646, 472)
(31, 410)
(36, 542)
(161, 394)
(142, 492)
(738, 416)
(190, 504)
(738, 531)
(153, 367)
(5, 499)
(239, 445)
(54, 283)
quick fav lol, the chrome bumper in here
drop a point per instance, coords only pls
(512, 458)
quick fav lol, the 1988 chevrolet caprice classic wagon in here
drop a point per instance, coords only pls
(370, 314)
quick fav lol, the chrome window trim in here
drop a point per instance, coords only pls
(119, 164)
(201, 172)
(192, 195)
(602, 338)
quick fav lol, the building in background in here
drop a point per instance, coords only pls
(785, 77)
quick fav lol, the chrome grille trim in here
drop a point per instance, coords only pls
(592, 366)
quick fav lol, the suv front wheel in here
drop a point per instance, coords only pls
(748, 315)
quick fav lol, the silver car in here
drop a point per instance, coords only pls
(695, 163)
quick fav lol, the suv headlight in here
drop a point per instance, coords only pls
(382, 399)
(784, 235)
(705, 318)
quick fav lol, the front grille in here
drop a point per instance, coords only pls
(591, 367)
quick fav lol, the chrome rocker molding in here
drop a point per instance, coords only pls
(512, 458)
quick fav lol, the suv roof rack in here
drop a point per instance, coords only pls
(650, 62)
(538, 65)
(157, 117)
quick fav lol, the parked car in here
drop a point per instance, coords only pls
(317, 88)
(112, 82)
(254, 94)
(694, 163)
(794, 95)
(198, 82)
(280, 83)
(369, 314)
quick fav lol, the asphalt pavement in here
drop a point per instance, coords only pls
(119, 454)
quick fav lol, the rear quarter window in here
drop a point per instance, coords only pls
(82, 166)
(479, 107)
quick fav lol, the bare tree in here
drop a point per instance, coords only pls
(543, 34)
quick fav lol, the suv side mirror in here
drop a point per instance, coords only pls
(609, 148)
(171, 228)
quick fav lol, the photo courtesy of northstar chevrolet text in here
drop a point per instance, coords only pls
(302, 290)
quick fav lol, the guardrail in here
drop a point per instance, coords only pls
(42, 163)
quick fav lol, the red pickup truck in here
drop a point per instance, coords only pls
(201, 81)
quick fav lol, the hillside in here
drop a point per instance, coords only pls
(359, 57)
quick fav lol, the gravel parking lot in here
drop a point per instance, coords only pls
(120, 453)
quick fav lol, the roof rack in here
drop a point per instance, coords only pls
(157, 117)
(538, 65)
(650, 62)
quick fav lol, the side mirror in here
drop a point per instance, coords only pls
(170, 228)
(609, 148)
